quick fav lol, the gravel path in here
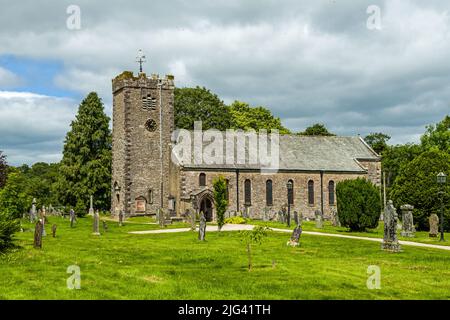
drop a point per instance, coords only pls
(238, 227)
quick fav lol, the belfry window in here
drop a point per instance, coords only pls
(202, 180)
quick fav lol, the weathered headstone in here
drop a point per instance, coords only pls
(297, 222)
(73, 217)
(120, 218)
(54, 230)
(280, 216)
(335, 218)
(33, 211)
(96, 226)
(91, 206)
(44, 218)
(202, 227)
(407, 221)
(105, 226)
(390, 240)
(38, 234)
(162, 218)
(193, 219)
(295, 238)
(288, 218)
(319, 219)
(434, 225)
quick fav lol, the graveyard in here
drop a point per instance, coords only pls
(179, 266)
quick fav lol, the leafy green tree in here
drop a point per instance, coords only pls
(378, 141)
(220, 199)
(3, 170)
(395, 157)
(416, 185)
(358, 204)
(317, 129)
(8, 227)
(438, 136)
(200, 104)
(14, 200)
(245, 117)
(254, 236)
(85, 169)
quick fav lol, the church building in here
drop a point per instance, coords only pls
(147, 176)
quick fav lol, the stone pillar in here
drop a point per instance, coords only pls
(408, 229)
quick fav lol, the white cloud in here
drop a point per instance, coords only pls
(8, 78)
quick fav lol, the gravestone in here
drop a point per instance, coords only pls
(120, 218)
(161, 218)
(280, 216)
(44, 218)
(296, 221)
(202, 227)
(96, 226)
(73, 217)
(105, 226)
(390, 241)
(193, 218)
(91, 206)
(288, 218)
(335, 218)
(407, 221)
(38, 234)
(33, 216)
(54, 231)
(434, 225)
(319, 219)
(295, 238)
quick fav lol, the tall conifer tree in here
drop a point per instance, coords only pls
(86, 165)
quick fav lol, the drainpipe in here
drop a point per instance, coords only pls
(237, 190)
(321, 192)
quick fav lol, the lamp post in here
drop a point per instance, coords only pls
(289, 190)
(441, 180)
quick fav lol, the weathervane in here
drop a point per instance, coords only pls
(140, 59)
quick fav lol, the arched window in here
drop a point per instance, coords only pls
(331, 199)
(248, 192)
(291, 192)
(269, 195)
(202, 180)
(311, 192)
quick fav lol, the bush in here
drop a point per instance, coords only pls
(416, 185)
(81, 209)
(358, 204)
(220, 199)
(8, 226)
(236, 220)
(14, 201)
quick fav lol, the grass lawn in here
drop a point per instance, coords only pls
(421, 236)
(118, 265)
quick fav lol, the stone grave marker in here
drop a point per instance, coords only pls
(408, 221)
(295, 238)
(434, 225)
(54, 230)
(38, 234)
(202, 227)
(96, 224)
(319, 219)
(390, 240)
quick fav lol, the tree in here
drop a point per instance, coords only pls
(358, 204)
(317, 129)
(14, 200)
(85, 169)
(377, 141)
(220, 199)
(254, 236)
(245, 117)
(438, 136)
(200, 104)
(3, 170)
(8, 227)
(416, 185)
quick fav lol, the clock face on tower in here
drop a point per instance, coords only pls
(150, 125)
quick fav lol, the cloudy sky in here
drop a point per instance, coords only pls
(308, 61)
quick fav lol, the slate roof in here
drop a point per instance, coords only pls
(308, 153)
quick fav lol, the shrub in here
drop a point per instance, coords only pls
(358, 204)
(220, 199)
(416, 185)
(8, 226)
(236, 220)
(81, 209)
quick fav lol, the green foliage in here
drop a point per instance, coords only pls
(237, 220)
(220, 199)
(85, 169)
(317, 129)
(395, 157)
(14, 200)
(8, 226)
(377, 141)
(81, 208)
(3, 170)
(254, 236)
(200, 104)
(416, 185)
(246, 118)
(358, 204)
(438, 136)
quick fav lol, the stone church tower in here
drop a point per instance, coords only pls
(143, 120)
